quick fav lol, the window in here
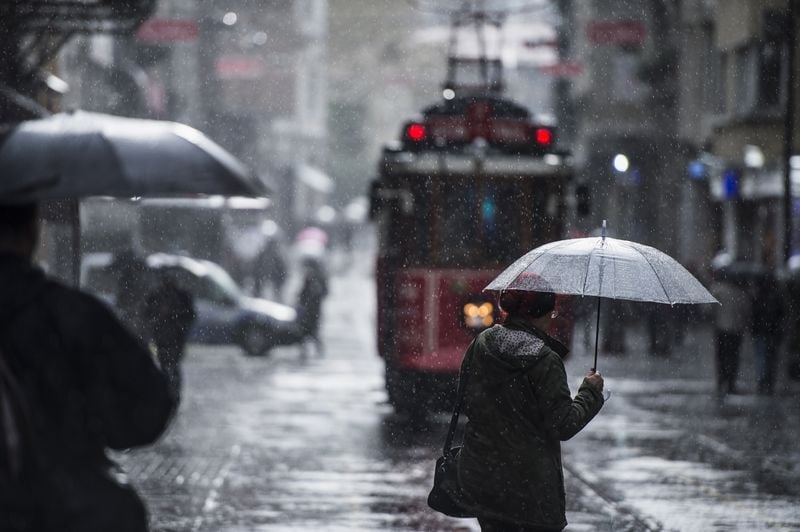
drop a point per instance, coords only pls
(770, 75)
(745, 77)
(714, 84)
(626, 85)
(460, 221)
(760, 69)
(773, 55)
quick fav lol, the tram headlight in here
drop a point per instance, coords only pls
(478, 315)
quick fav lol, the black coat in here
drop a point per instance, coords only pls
(520, 409)
(89, 384)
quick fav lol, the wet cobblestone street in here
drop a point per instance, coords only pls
(286, 443)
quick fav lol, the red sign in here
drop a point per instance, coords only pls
(239, 67)
(617, 32)
(161, 30)
(562, 70)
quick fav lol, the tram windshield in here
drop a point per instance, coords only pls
(471, 223)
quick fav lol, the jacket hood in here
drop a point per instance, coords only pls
(21, 283)
(516, 346)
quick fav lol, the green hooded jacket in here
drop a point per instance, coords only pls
(520, 409)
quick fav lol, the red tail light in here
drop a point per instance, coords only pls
(416, 132)
(544, 136)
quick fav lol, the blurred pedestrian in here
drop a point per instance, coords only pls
(131, 272)
(270, 270)
(170, 312)
(87, 384)
(731, 321)
(616, 319)
(793, 319)
(766, 327)
(660, 327)
(519, 410)
(309, 303)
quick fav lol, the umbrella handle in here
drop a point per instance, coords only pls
(596, 335)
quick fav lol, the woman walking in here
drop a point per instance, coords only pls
(519, 407)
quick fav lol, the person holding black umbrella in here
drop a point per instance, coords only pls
(84, 383)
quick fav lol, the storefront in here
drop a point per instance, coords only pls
(752, 211)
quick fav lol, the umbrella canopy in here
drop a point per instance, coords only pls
(80, 154)
(603, 267)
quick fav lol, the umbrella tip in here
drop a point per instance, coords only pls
(604, 229)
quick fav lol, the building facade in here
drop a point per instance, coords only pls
(620, 115)
(249, 74)
(750, 120)
(679, 122)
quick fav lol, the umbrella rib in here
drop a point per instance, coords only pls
(586, 276)
(666, 295)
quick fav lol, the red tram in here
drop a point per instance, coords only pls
(470, 187)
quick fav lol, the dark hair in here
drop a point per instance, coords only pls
(527, 304)
(17, 218)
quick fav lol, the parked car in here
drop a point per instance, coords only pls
(225, 315)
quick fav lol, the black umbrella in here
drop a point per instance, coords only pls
(80, 154)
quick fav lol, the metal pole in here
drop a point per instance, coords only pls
(596, 334)
(788, 134)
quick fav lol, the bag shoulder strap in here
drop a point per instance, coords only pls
(462, 386)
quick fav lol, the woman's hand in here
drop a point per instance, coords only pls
(595, 379)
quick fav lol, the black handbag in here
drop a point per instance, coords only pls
(446, 496)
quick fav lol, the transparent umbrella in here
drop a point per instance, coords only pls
(604, 268)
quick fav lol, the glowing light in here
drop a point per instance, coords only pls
(621, 163)
(259, 38)
(448, 94)
(478, 316)
(544, 136)
(416, 132)
(754, 157)
(230, 18)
